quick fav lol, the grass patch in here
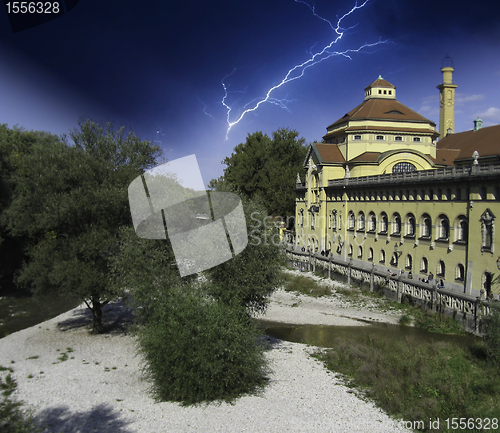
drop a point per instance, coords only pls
(304, 285)
(417, 380)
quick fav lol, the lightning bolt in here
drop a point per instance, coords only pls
(297, 71)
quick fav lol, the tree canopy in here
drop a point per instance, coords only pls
(266, 169)
(194, 332)
(69, 201)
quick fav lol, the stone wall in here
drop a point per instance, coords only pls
(465, 309)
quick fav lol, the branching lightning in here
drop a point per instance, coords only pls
(297, 71)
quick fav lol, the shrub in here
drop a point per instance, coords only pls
(200, 350)
(12, 417)
(306, 286)
(492, 333)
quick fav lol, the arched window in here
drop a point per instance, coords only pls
(440, 270)
(350, 250)
(361, 221)
(463, 230)
(424, 265)
(394, 259)
(411, 226)
(382, 256)
(426, 226)
(403, 167)
(360, 252)
(302, 217)
(444, 227)
(384, 223)
(370, 255)
(312, 220)
(409, 262)
(333, 220)
(351, 221)
(372, 222)
(396, 224)
(460, 272)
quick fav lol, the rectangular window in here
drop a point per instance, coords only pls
(416, 139)
(398, 138)
(379, 137)
(358, 137)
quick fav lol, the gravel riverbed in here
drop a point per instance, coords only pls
(77, 382)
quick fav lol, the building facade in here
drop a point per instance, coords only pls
(385, 187)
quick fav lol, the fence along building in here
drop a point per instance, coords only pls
(386, 188)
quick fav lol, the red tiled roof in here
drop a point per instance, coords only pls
(382, 109)
(329, 152)
(366, 157)
(446, 156)
(485, 140)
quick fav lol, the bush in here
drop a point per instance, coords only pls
(200, 350)
(492, 333)
(306, 286)
(12, 417)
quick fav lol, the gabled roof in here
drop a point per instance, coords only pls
(329, 153)
(382, 109)
(326, 153)
(485, 140)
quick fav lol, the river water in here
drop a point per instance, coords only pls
(20, 312)
(325, 336)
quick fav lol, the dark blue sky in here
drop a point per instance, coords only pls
(156, 66)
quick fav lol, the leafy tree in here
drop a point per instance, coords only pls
(267, 169)
(70, 202)
(13, 142)
(248, 279)
(195, 332)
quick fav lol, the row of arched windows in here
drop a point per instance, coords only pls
(395, 226)
(394, 261)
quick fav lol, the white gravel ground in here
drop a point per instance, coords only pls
(99, 387)
(339, 310)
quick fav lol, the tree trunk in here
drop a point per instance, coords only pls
(97, 327)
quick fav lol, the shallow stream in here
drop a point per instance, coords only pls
(324, 336)
(20, 312)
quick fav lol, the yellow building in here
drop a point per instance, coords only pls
(386, 188)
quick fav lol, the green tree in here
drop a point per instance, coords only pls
(70, 202)
(194, 332)
(246, 281)
(266, 169)
(13, 142)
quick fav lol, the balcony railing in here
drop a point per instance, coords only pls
(448, 173)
